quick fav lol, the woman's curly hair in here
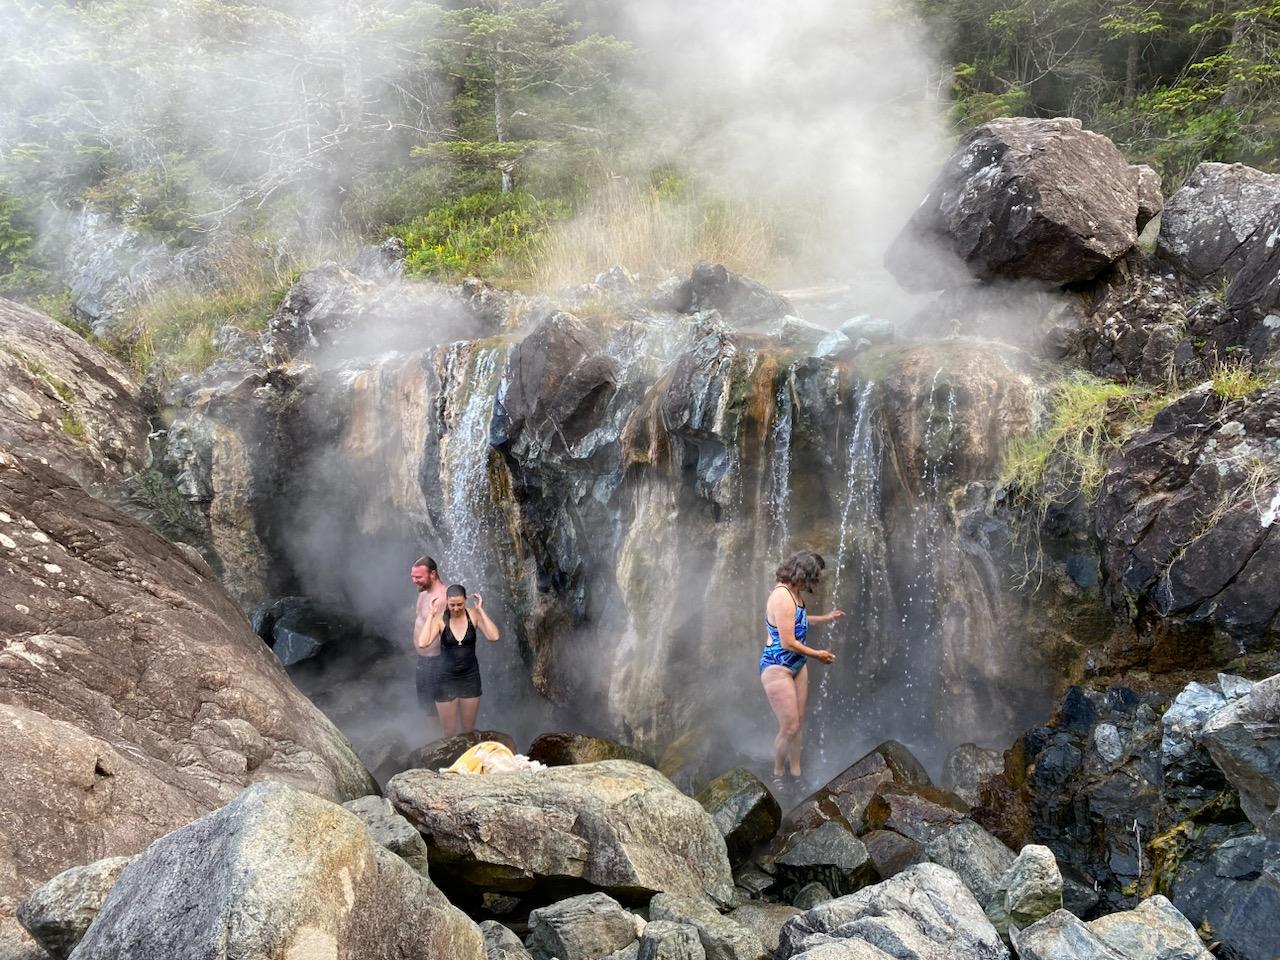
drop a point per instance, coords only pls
(801, 570)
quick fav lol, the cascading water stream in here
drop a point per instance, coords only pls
(780, 487)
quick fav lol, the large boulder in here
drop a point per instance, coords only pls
(133, 695)
(1254, 292)
(1153, 930)
(585, 927)
(845, 797)
(1244, 740)
(920, 813)
(978, 858)
(1033, 886)
(615, 825)
(277, 874)
(664, 940)
(765, 920)
(500, 943)
(1021, 199)
(922, 912)
(1216, 220)
(65, 401)
(966, 767)
(58, 913)
(743, 809)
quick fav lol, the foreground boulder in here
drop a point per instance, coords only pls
(581, 928)
(618, 826)
(924, 911)
(277, 874)
(722, 938)
(743, 809)
(1061, 936)
(58, 914)
(67, 402)
(1021, 199)
(1154, 928)
(133, 695)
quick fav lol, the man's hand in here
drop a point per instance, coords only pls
(824, 656)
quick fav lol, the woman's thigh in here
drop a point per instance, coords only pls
(780, 688)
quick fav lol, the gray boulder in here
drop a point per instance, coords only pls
(828, 854)
(1212, 224)
(616, 825)
(925, 911)
(1244, 741)
(979, 859)
(276, 874)
(1061, 936)
(723, 938)
(765, 920)
(58, 913)
(585, 927)
(743, 810)
(740, 300)
(810, 895)
(1033, 886)
(665, 940)
(1153, 930)
(391, 830)
(500, 943)
(966, 767)
(1254, 292)
(1021, 198)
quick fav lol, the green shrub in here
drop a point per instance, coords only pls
(489, 233)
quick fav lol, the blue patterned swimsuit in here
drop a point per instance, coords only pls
(775, 655)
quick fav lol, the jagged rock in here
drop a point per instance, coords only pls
(743, 810)
(920, 813)
(1181, 541)
(1061, 936)
(391, 830)
(1153, 930)
(765, 920)
(1228, 882)
(739, 299)
(1033, 886)
(1150, 196)
(615, 825)
(500, 943)
(441, 753)
(835, 345)
(277, 873)
(299, 628)
(922, 912)
(810, 895)
(581, 928)
(383, 261)
(828, 854)
(723, 938)
(1254, 293)
(966, 767)
(664, 940)
(1021, 198)
(1211, 224)
(891, 853)
(131, 688)
(1191, 778)
(58, 913)
(563, 749)
(845, 796)
(979, 859)
(67, 402)
(1244, 740)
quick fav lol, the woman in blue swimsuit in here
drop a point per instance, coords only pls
(783, 669)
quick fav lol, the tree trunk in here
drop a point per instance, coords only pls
(1234, 95)
(1131, 72)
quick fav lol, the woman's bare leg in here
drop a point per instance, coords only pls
(780, 688)
(802, 702)
(468, 708)
(448, 714)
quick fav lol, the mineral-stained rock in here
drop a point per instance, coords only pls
(921, 813)
(64, 400)
(1153, 930)
(580, 928)
(925, 908)
(615, 825)
(1022, 199)
(665, 940)
(829, 854)
(1244, 740)
(723, 938)
(133, 695)
(979, 859)
(500, 943)
(966, 767)
(1061, 936)
(744, 811)
(1211, 224)
(441, 753)
(58, 913)
(391, 830)
(563, 749)
(276, 874)
(765, 920)
(1033, 886)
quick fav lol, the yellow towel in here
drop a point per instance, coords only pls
(479, 759)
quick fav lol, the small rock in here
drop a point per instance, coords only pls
(439, 754)
(1061, 936)
(58, 913)
(810, 895)
(722, 937)
(891, 853)
(1033, 886)
(921, 813)
(565, 749)
(391, 830)
(500, 943)
(966, 767)
(765, 920)
(665, 940)
(581, 928)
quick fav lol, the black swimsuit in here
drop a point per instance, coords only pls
(458, 672)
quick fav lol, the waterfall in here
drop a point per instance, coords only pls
(780, 470)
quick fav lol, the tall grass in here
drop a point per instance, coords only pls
(653, 234)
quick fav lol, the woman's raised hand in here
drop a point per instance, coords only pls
(479, 601)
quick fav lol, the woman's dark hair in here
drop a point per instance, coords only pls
(801, 570)
(457, 590)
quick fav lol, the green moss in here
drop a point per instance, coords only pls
(72, 426)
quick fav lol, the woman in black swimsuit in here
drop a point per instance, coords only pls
(457, 681)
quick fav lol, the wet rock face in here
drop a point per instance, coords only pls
(275, 874)
(1022, 199)
(741, 300)
(1218, 218)
(1244, 740)
(64, 400)
(131, 687)
(616, 826)
(1187, 514)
